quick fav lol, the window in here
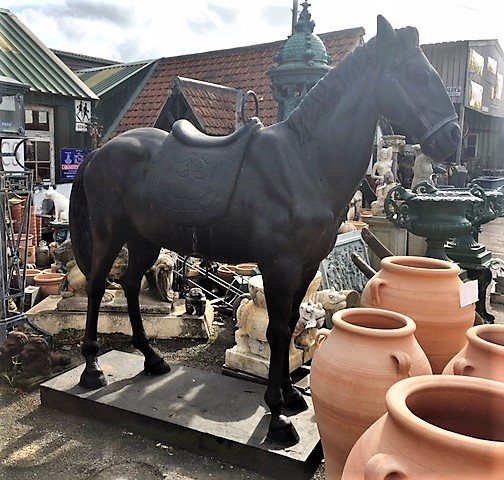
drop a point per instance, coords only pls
(472, 145)
(37, 120)
(38, 159)
(10, 114)
(39, 153)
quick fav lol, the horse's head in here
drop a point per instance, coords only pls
(411, 93)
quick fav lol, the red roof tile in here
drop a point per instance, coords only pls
(213, 105)
(240, 68)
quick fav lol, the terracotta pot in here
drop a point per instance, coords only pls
(246, 269)
(226, 273)
(483, 356)
(354, 365)
(22, 239)
(31, 257)
(193, 270)
(49, 283)
(428, 291)
(30, 275)
(437, 428)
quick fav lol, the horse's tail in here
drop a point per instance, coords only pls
(80, 230)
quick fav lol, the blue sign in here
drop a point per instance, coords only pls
(71, 158)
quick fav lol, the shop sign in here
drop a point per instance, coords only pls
(71, 158)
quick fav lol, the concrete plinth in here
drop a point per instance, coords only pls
(258, 366)
(203, 412)
(394, 238)
(54, 314)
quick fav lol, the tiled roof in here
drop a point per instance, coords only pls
(25, 58)
(241, 68)
(102, 79)
(213, 105)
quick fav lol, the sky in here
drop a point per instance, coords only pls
(129, 30)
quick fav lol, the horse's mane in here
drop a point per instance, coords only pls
(331, 87)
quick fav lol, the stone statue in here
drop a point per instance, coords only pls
(252, 317)
(61, 204)
(311, 318)
(160, 275)
(355, 206)
(195, 302)
(377, 207)
(382, 169)
(422, 169)
(37, 359)
(11, 348)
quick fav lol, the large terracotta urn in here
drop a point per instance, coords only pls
(438, 427)
(428, 291)
(355, 363)
(483, 356)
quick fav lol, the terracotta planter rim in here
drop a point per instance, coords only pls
(398, 394)
(474, 338)
(419, 266)
(342, 320)
(49, 277)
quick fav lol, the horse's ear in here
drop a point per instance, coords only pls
(412, 35)
(385, 38)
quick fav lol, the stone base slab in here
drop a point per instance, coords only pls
(206, 413)
(174, 324)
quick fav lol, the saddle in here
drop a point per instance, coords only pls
(193, 175)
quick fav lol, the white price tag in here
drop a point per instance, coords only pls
(468, 293)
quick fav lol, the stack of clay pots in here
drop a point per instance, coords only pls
(17, 216)
(377, 423)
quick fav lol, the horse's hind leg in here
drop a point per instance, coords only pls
(142, 256)
(104, 254)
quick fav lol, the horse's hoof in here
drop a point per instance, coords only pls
(294, 402)
(92, 379)
(158, 367)
(282, 433)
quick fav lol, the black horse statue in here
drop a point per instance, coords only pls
(271, 195)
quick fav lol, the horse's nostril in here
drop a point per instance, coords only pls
(455, 134)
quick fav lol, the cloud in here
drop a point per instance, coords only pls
(201, 26)
(277, 15)
(75, 10)
(225, 14)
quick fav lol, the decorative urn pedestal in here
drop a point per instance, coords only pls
(471, 255)
(428, 212)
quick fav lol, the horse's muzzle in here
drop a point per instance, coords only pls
(442, 142)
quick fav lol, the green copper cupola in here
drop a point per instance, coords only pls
(302, 62)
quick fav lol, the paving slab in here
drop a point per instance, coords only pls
(189, 408)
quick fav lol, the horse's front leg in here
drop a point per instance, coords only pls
(281, 279)
(293, 399)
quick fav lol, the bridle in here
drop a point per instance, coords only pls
(430, 129)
